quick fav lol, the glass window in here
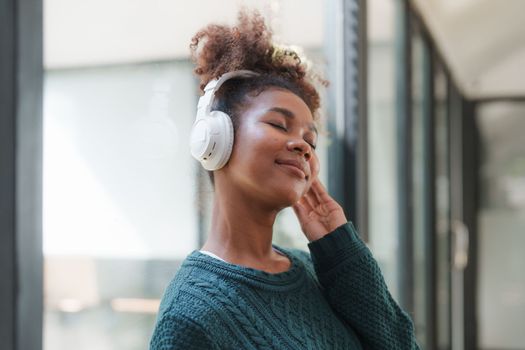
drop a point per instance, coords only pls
(119, 189)
(382, 225)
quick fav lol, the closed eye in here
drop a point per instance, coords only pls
(282, 127)
(312, 145)
(278, 126)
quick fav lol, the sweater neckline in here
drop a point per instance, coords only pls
(285, 280)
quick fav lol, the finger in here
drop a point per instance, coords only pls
(314, 192)
(306, 204)
(311, 199)
(320, 191)
(300, 211)
(303, 210)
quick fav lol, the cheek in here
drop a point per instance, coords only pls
(246, 139)
(253, 147)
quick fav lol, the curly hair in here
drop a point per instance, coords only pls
(218, 49)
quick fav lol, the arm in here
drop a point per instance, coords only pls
(356, 290)
(350, 276)
(174, 332)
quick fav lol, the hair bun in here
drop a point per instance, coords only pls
(218, 49)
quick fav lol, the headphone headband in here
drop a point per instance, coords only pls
(206, 101)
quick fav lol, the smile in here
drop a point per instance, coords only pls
(293, 168)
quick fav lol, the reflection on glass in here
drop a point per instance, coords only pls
(442, 208)
(383, 237)
(501, 285)
(119, 189)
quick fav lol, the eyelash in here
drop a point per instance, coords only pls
(278, 126)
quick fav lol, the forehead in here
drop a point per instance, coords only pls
(281, 98)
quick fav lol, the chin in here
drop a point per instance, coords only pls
(288, 196)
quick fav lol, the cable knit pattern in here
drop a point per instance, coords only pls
(333, 298)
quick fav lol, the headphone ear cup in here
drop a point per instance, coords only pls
(222, 135)
(212, 140)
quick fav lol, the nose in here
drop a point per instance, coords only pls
(301, 147)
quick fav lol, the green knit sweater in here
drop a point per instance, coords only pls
(333, 298)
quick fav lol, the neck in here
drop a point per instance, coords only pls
(241, 229)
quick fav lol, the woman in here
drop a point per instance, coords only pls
(240, 291)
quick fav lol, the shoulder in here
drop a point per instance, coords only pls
(182, 320)
(184, 294)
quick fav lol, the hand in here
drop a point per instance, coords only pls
(318, 213)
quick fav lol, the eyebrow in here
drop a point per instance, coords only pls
(290, 115)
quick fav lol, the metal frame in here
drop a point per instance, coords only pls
(362, 146)
(7, 177)
(449, 176)
(404, 151)
(21, 82)
(518, 99)
(456, 132)
(464, 203)
(470, 144)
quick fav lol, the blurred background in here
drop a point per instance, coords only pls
(101, 200)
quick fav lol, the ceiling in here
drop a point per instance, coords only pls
(98, 32)
(482, 42)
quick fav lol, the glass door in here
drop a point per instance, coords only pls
(501, 218)
(462, 228)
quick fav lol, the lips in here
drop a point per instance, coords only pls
(294, 166)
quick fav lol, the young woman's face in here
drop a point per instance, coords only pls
(273, 157)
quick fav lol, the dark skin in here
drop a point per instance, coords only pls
(273, 166)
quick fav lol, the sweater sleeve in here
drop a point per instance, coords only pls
(356, 290)
(174, 332)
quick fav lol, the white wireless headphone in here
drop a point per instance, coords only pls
(211, 139)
